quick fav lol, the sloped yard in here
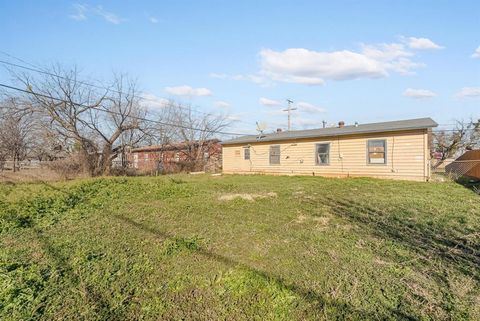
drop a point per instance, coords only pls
(239, 248)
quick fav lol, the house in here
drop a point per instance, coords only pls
(467, 165)
(396, 150)
(177, 157)
(438, 165)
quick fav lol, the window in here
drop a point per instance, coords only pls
(206, 156)
(176, 157)
(274, 154)
(377, 151)
(246, 153)
(322, 155)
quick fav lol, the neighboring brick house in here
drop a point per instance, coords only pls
(177, 157)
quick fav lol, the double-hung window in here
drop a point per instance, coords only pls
(246, 153)
(322, 154)
(377, 151)
(274, 155)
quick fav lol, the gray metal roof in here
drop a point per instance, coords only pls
(420, 123)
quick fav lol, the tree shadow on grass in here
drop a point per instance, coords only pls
(318, 302)
(459, 253)
(95, 298)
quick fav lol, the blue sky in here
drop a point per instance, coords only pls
(362, 61)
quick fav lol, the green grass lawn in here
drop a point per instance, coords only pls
(239, 248)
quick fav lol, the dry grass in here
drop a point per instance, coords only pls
(245, 196)
(29, 175)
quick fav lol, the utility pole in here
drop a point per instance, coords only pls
(289, 110)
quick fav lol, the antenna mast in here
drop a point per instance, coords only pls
(289, 111)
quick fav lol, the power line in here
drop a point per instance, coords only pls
(17, 58)
(118, 113)
(37, 69)
(87, 84)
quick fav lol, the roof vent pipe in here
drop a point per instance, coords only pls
(341, 124)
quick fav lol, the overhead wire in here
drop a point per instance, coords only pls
(118, 113)
(37, 69)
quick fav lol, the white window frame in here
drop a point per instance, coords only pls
(369, 162)
(317, 160)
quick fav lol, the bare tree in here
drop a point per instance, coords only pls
(92, 119)
(196, 131)
(448, 144)
(16, 129)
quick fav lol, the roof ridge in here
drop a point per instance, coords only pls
(387, 126)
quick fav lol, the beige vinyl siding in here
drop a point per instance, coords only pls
(406, 152)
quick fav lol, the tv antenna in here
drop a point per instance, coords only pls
(289, 111)
(261, 128)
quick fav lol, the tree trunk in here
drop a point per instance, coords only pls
(14, 162)
(105, 165)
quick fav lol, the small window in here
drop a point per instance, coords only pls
(377, 151)
(322, 154)
(274, 154)
(206, 156)
(176, 157)
(246, 153)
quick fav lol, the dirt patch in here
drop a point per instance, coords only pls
(31, 175)
(245, 196)
(323, 220)
(300, 218)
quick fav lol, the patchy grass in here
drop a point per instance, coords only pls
(181, 247)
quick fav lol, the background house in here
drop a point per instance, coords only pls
(177, 157)
(397, 149)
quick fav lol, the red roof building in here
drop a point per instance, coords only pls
(177, 157)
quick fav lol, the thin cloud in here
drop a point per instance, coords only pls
(153, 102)
(422, 43)
(418, 93)
(476, 54)
(255, 78)
(82, 11)
(108, 16)
(309, 108)
(469, 92)
(222, 104)
(153, 20)
(234, 117)
(217, 75)
(188, 91)
(269, 102)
